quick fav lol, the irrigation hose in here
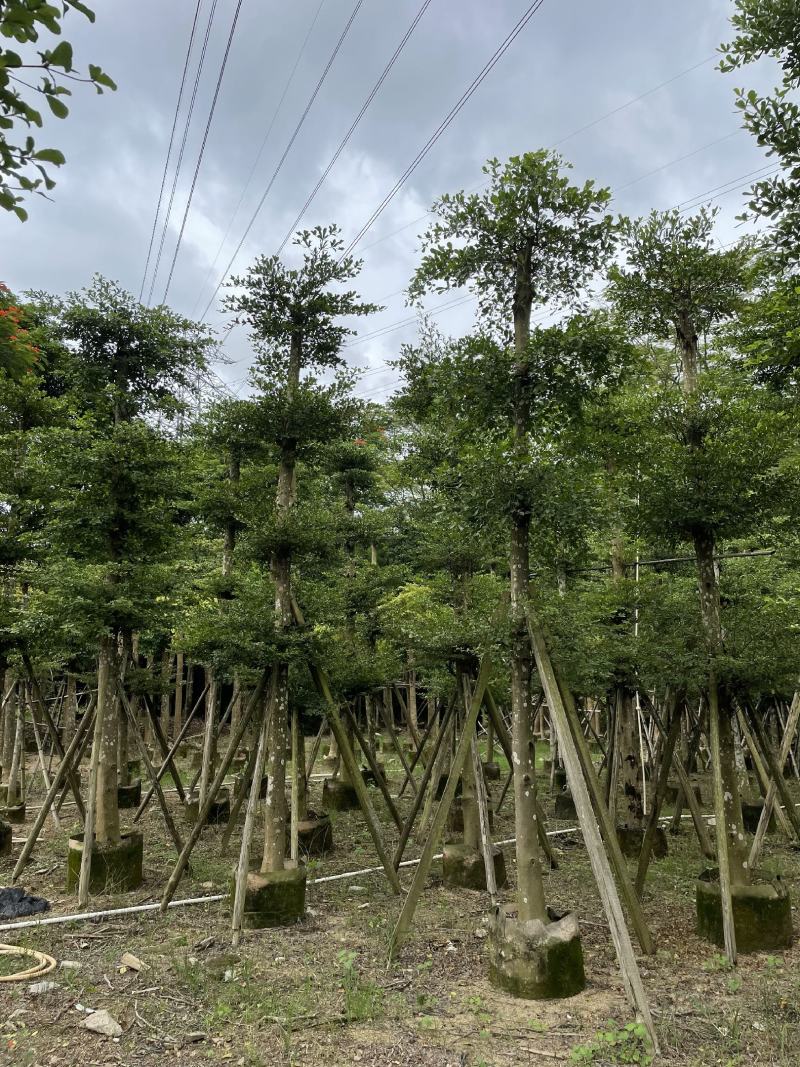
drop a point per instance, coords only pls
(44, 963)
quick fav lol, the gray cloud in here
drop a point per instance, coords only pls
(573, 63)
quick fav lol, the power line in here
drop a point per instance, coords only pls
(257, 160)
(203, 143)
(286, 151)
(171, 143)
(567, 137)
(343, 144)
(445, 123)
(184, 138)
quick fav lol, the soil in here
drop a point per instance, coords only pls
(320, 993)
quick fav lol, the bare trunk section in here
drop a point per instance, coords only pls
(106, 806)
(69, 715)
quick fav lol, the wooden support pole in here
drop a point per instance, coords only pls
(166, 755)
(487, 848)
(418, 754)
(144, 756)
(775, 772)
(569, 734)
(584, 757)
(380, 781)
(58, 780)
(162, 770)
(243, 865)
(298, 772)
(387, 718)
(769, 800)
(658, 800)
(720, 824)
(423, 786)
(72, 778)
(426, 859)
(320, 680)
(214, 788)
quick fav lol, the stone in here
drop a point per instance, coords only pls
(536, 960)
(131, 962)
(114, 868)
(762, 912)
(130, 795)
(751, 814)
(630, 842)
(102, 1022)
(315, 835)
(70, 965)
(277, 898)
(338, 795)
(6, 834)
(463, 867)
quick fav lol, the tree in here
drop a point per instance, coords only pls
(529, 239)
(294, 316)
(22, 165)
(715, 468)
(772, 28)
(109, 478)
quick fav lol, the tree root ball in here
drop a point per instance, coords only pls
(559, 780)
(491, 772)
(630, 842)
(130, 795)
(463, 867)
(369, 777)
(338, 795)
(219, 813)
(113, 868)
(762, 912)
(536, 960)
(315, 835)
(671, 795)
(5, 838)
(274, 899)
(565, 806)
(15, 814)
(751, 813)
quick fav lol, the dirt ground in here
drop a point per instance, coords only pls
(320, 993)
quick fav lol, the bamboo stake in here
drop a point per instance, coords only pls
(569, 738)
(426, 859)
(380, 781)
(387, 718)
(43, 766)
(418, 754)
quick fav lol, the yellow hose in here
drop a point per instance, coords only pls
(44, 963)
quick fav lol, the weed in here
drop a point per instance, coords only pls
(362, 998)
(617, 1045)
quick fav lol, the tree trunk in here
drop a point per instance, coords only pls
(69, 716)
(275, 804)
(177, 721)
(107, 808)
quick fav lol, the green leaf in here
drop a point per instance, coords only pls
(58, 107)
(21, 213)
(61, 56)
(51, 155)
(99, 77)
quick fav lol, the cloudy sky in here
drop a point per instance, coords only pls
(579, 76)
